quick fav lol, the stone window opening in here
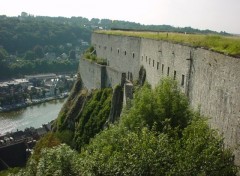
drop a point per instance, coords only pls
(146, 58)
(149, 61)
(142, 58)
(111, 49)
(168, 70)
(162, 68)
(157, 65)
(118, 50)
(133, 55)
(175, 74)
(182, 82)
(153, 63)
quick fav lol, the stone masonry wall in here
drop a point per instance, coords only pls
(210, 80)
(91, 74)
(113, 77)
(161, 59)
(215, 88)
(122, 53)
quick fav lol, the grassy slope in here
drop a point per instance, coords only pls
(218, 43)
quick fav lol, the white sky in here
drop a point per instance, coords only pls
(218, 15)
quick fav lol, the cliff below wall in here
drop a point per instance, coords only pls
(86, 112)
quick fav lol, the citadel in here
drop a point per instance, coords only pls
(210, 80)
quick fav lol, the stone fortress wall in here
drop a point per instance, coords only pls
(210, 80)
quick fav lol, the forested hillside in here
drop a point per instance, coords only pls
(30, 45)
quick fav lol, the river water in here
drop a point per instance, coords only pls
(32, 116)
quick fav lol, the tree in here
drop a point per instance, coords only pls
(30, 55)
(164, 105)
(3, 54)
(59, 160)
(38, 50)
(72, 54)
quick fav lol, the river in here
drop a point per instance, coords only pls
(32, 116)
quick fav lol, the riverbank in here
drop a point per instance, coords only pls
(31, 116)
(14, 107)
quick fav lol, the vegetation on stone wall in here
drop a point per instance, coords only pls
(158, 135)
(93, 117)
(224, 44)
(90, 54)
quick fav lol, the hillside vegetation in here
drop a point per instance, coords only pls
(158, 135)
(83, 115)
(228, 45)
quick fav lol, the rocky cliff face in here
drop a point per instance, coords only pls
(87, 111)
(116, 105)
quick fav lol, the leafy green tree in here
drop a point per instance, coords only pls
(159, 108)
(30, 55)
(38, 50)
(48, 141)
(172, 105)
(201, 151)
(59, 160)
(3, 54)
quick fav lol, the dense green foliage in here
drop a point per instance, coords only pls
(20, 34)
(31, 45)
(59, 161)
(22, 67)
(227, 45)
(165, 106)
(48, 141)
(83, 115)
(93, 117)
(172, 140)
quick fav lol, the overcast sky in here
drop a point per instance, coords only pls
(218, 15)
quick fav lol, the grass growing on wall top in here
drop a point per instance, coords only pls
(223, 44)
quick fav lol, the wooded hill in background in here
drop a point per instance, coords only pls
(30, 45)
